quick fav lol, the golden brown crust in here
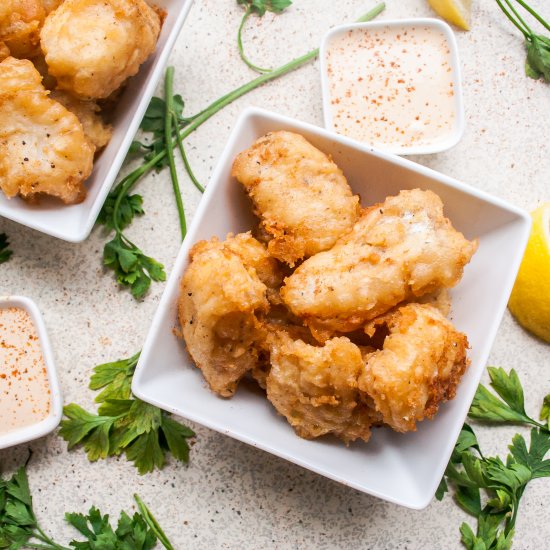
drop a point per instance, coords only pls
(398, 251)
(316, 388)
(88, 113)
(220, 299)
(421, 363)
(20, 24)
(43, 149)
(92, 46)
(301, 196)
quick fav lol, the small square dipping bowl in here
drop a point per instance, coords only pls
(39, 429)
(458, 128)
(74, 222)
(402, 468)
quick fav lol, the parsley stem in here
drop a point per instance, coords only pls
(168, 119)
(370, 15)
(240, 44)
(126, 184)
(509, 16)
(153, 523)
(534, 14)
(179, 141)
(520, 19)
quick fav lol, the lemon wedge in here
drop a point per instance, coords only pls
(530, 299)
(453, 11)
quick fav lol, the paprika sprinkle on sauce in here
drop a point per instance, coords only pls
(25, 396)
(392, 86)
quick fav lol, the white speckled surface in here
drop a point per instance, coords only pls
(232, 495)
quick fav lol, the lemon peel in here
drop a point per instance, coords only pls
(530, 299)
(456, 12)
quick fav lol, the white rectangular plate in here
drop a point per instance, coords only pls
(74, 222)
(404, 469)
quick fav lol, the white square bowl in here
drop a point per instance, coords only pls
(48, 424)
(458, 128)
(74, 222)
(402, 468)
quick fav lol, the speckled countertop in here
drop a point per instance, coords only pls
(232, 495)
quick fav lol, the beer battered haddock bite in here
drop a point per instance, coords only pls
(221, 295)
(43, 149)
(301, 197)
(92, 46)
(20, 24)
(421, 363)
(316, 388)
(399, 250)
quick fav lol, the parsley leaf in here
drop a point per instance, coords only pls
(545, 410)
(489, 488)
(19, 527)
(488, 407)
(5, 252)
(537, 64)
(124, 424)
(261, 6)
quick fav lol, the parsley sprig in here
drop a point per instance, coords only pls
(258, 7)
(537, 64)
(19, 527)
(132, 267)
(5, 252)
(489, 488)
(123, 423)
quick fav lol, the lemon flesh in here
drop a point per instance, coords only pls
(456, 12)
(530, 299)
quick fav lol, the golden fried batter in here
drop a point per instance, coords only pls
(43, 148)
(302, 197)
(50, 5)
(316, 388)
(220, 298)
(398, 250)
(93, 46)
(20, 24)
(419, 367)
(4, 51)
(97, 132)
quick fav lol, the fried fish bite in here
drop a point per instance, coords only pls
(420, 366)
(301, 197)
(20, 24)
(50, 5)
(398, 250)
(43, 148)
(92, 46)
(4, 51)
(316, 388)
(220, 298)
(96, 131)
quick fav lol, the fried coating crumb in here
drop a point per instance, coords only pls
(43, 149)
(92, 46)
(50, 5)
(399, 250)
(316, 388)
(220, 298)
(301, 196)
(4, 51)
(20, 24)
(97, 132)
(421, 364)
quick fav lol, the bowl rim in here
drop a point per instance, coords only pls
(89, 217)
(460, 125)
(48, 424)
(147, 358)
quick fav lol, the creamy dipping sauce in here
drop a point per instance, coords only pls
(24, 390)
(392, 86)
